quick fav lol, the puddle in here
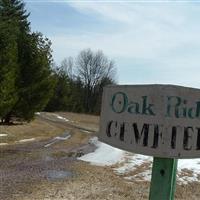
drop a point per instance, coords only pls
(58, 174)
(48, 158)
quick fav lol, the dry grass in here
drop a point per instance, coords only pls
(99, 183)
(83, 120)
(89, 182)
(188, 192)
(38, 129)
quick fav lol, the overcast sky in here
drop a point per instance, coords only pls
(154, 42)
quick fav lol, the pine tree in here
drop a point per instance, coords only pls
(8, 62)
(35, 80)
(14, 12)
(61, 99)
(25, 63)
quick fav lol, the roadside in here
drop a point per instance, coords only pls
(40, 162)
(27, 159)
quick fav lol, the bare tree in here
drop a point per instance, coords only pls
(93, 68)
(67, 66)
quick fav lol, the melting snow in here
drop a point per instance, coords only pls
(62, 138)
(56, 139)
(86, 131)
(62, 118)
(3, 135)
(27, 140)
(2, 144)
(106, 155)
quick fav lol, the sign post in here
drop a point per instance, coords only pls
(163, 181)
(162, 121)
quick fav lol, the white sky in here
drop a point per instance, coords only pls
(150, 41)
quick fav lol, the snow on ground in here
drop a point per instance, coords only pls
(3, 144)
(54, 115)
(188, 170)
(26, 140)
(65, 136)
(132, 162)
(3, 135)
(103, 155)
(138, 165)
(62, 118)
(62, 138)
(84, 131)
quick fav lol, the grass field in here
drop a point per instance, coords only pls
(39, 161)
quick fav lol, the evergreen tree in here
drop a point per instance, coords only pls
(62, 93)
(14, 12)
(35, 85)
(8, 65)
(79, 87)
(28, 56)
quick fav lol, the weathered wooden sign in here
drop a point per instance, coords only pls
(156, 120)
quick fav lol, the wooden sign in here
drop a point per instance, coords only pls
(157, 120)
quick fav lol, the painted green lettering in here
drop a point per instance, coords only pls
(173, 105)
(147, 108)
(198, 110)
(119, 102)
(191, 113)
(133, 108)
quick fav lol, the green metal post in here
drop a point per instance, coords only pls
(163, 180)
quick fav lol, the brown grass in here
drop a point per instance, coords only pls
(89, 183)
(38, 129)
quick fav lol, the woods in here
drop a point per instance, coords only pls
(80, 82)
(31, 82)
(26, 81)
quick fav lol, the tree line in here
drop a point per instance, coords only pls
(30, 82)
(25, 58)
(80, 82)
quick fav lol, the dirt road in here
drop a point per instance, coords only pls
(39, 161)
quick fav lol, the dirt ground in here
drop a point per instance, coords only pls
(32, 170)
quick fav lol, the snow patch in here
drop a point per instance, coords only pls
(62, 118)
(3, 144)
(3, 135)
(106, 155)
(184, 180)
(62, 138)
(27, 140)
(132, 162)
(189, 164)
(86, 131)
(190, 167)
(56, 139)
